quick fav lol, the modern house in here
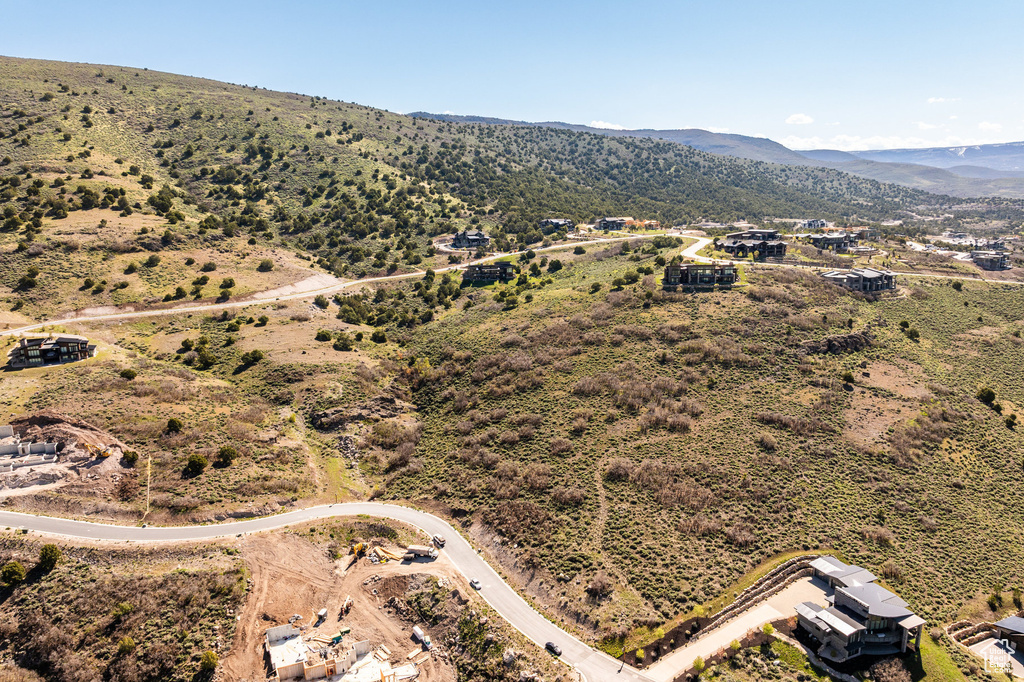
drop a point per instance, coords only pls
(49, 350)
(862, 279)
(471, 239)
(497, 271)
(862, 618)
(758, 243)
(990, 260)
(813, 224)
(1012, 630)
(832, 241)
(651, 225)
(549, 225)
(291, 657)
(620, 223)
(699, 275)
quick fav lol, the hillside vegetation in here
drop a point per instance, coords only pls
(626, 454)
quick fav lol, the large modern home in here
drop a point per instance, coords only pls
(865, 280)
(497, 271)
(861, 618)
(549, 225)
(471, 239)
(699, 275)
(758, 243)
(49, 350)
(991, 260)
(620, 223)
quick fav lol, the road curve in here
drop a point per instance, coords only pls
(331, 289)
(594, 665)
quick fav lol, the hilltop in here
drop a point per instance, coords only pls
(986, 170)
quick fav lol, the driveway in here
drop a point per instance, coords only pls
(781, 605)
(993, 651)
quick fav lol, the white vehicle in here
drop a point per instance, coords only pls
(475, 584)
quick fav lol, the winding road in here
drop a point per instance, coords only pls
(594, 665)
(339, 285)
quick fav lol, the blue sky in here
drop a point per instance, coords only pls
(839, 74)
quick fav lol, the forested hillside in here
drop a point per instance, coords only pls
(336, 178)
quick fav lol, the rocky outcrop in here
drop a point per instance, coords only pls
(842, 343)
(372, 410)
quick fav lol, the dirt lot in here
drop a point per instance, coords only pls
(291, 575)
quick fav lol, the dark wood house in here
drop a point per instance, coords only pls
(487, 273)
(549, 225)
(699, 275)
(471, 239)
(50, 350)
(757, 243)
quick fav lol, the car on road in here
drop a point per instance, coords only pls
(553, 648)
(439, 540)
(475, 584)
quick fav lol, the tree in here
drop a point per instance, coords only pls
(49, 556)
(266, 265)
(262, 321)
(226, 455)
(12, 573)
(195, 465)
(323, 335)
(227, 283)
(208, 662)
(768, 629)
(698, 665)
(128, 374)
(208, 266)
(174, 425)
(252, 357)
(986, 395)
(152, 261)
(378, 336)
(579, 251)
(595, 287)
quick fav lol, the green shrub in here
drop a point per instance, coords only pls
(378, 336)
(323, 335)
(986, 395)
(226, 455)
(266, 265)
(208, 662)
(12, 573)
(128, 374)
(209, 266)
(195, 465)
(125, 646)
(49, 556)
(174, 425)
(131, 457)
(152, 261)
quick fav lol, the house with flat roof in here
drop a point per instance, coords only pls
(991, 260)
(757, 243)
(832, 241)
(620, 223)
(813, 224)
(49, 350)
(497, 271)
(699, 274)
(291, 657)
(549, 225)
(471, 239)
(1012, 630)
(861, 617)
(865, 280)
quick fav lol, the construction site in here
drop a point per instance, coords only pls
(52, 449)
(311, 615)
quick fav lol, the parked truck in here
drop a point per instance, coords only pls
(421, 551)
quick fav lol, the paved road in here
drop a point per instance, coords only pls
(339, 285)
(595, 666)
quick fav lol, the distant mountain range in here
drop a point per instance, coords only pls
(982, 170)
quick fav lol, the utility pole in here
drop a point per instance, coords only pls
(149, 482)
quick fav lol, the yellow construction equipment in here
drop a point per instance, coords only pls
(359, 548)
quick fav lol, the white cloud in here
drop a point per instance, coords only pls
(446, 112)
(606, 125)
(712, 129)
(942, 100)
(799, 119)
(921, 125)
(990, 127)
